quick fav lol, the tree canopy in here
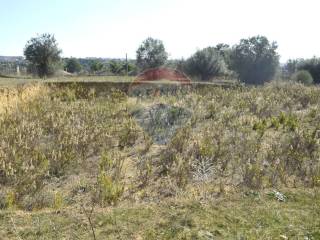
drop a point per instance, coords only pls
(43, 54)
(255, 60)
(151, 54)
(73, 65)
(96, 66)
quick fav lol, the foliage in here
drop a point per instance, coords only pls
(96, 66)
(225, 51)
(303, 76)
(313, 67)
(127, 134)
(151, 53)
(291, 67)
(73, 65)
(10, 200)
(58, 201)
(110, 186)
(43, 54)
(116, 67)
(205, 64)
(121, 67)
(255, 60)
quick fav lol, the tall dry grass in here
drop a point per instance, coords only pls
(11, 99)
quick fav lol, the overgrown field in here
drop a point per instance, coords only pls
(13, 81)
(238, 163)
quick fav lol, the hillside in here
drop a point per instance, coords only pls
(205, 163)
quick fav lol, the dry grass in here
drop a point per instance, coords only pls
(213, 178)
(12, 81)
(11, 99)
(241, 216)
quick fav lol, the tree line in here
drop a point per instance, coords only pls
(253, 61)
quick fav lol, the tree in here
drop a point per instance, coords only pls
(73, 65)
(132, 69)
(120, 67)
(255, 60)
(43, 54)
(96, 66)
(116, 67)
(225, 51)
(205, 64)
(151, 54)
(290, 67)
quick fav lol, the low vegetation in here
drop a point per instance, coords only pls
(205, 64)
(303, 76)
(237, 163)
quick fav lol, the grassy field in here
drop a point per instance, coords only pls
(7, 81)
(12, 81)
(209, 163)
(227, 217)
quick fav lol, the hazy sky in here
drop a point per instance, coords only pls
(110, 28)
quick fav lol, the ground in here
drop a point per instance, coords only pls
(199, 163)
(238, 216)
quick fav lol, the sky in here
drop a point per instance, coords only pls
(112, 28)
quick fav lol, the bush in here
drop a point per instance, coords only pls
(110, 186)
(205, 64)
(303, 76)
(313, 67)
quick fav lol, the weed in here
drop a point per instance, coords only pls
(10, 200)
(110, 187)
(128, 134)
(58, 201)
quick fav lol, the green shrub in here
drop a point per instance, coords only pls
(128, 134)
(109, 182)
(312, 66)
(110, 190)
(10, 199)
(205, 64)
(58, 201)
(303, 76)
